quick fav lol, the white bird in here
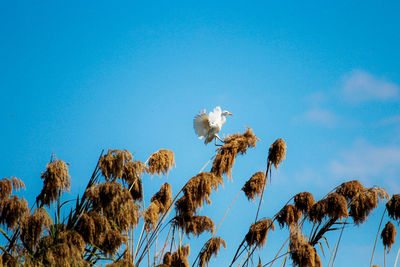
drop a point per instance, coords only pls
(208, 126)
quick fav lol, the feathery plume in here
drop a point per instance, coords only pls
(13, 209)
(211, 247)
(163, 198)
(289, 215)
(336, 206)
(161, 162)
(112, 164)
(5, 188)
(350, 189)
(304, 201)
(301, 252)
(254, 185)
(393, 207)
(32, 227)
(277, 152)
(362, 204)
(388, 235)
(194, 224)
(56, 180)
(151, 216)
(318, 211)
(258, 232)
(226, 154)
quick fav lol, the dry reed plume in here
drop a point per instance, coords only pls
(197, 190)
(257, 234)
(226, 154)
(211, 247)
(32, 227)
(254, 185)
(318, 211)
(388, 235)
(161, 162)
(277, 152)
(304, 201)
(112, 164)
(194, 224)
(56, 180)
(393, 207)
(350, 189)
(289, 215)
(132, 174)
(362, 204)
(160, 202)
(178, 258)
(301, 252)
(336, 206)
(12, 210)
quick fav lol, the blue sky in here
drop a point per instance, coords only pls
(81, 77)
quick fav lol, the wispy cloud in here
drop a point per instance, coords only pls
(320, 116)
(360, 86)
(390, 120)
(367, 162)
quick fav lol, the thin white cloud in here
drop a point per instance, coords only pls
(360, 86)
(320, 116)
(376, 164)
(390, 120)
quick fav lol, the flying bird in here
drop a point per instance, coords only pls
(208, 126)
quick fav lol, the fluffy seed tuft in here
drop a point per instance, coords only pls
(257, 234)
(254, 185)
(277, 152)
(388, 235)
(161, 162)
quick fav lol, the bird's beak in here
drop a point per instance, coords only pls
(230, 114)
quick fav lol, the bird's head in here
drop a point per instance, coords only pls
(225, 113)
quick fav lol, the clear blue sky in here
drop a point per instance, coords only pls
(78, 77)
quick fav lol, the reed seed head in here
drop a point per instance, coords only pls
(350, 189)
(226, 154)
(388, 235)
(254, 185)
(304, 201)
(56, 180)
(112, 164)
(163, 198)
(318, 211)
(393, 207)
(277, 152)
(337, 206)
(210, 248)
(194, 224)
(161, 162)
(257, 234)
(301, 252)
(362, 204)
(13, 209)
(5, 188)
(133, 171)
(151, 216)
(32, 227)
(289, 215)
(179, 257)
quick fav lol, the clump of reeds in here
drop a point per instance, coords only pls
(211, 247)
(350, 189)
(254, 185)
(126, 261)
(12, 210)
(32, 227)
(161, 162)
(194, 224)
(388, 235)
(56, 180)
(301, 251)
(112, 163)
(289, 215)
(197, 190)
(277, 152)
(393, 207)
(304, 201)
(257, 234)
(5, 188)
(115, 203)
(226, 154)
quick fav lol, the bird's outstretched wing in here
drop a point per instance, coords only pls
(201, 124)
(215, 116)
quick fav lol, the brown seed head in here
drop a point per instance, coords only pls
(55, 181)
(210, 248)
(258, 232)
(161, 162)
(194, 224)
(254, 185)
(277, 152)
(133, 170)
(393, 207)
(167, 259)
(388, 235)
(362, 204)
(179, 257)
(197, 190)
(32, 227)
(337, 206)
(304, 201)
(289, 215)
(13, 210)
(151, 216)
(226, 154)
(318, 211)
(112, 164)
(112, 241)
(301, 252)
(5, 188)
(350, 189)
(163, 198)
